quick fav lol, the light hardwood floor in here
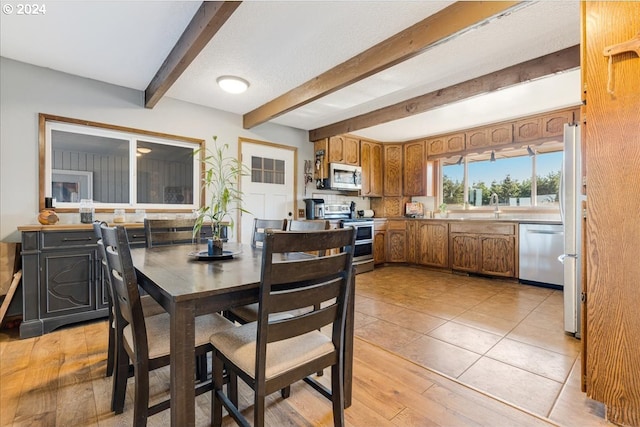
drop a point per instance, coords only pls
(486, 338)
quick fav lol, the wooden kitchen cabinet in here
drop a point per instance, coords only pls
(452, 143)
(477, 138)
(372, 168)
(392, 170)
(344, 149)
(379, 241)
(484, 247)
(432, 243)
(553, 124)
(396, 241)
(415, 157)
(500, 134)
(528, 129)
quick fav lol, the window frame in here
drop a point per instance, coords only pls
(548, 147)
(48, 122)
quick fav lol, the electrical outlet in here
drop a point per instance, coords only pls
(300, 213)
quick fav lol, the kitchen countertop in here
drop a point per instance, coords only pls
(478, 219)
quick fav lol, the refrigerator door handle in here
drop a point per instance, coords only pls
(563, 256)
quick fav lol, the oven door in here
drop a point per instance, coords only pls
(363, 251)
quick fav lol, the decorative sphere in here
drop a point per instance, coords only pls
(47, 217)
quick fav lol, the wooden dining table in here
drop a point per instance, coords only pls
(188, 287)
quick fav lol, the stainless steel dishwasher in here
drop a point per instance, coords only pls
(540, 247)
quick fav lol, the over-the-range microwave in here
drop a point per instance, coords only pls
(345, 177)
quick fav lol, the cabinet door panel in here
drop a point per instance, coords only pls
(497, 255)
(396, 246)
(371, 161)
(379, 247)
(464, 252)
(393, 170)
(414, 169)
(433, 241)
(67, 284)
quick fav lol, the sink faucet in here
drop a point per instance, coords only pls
(495, 202)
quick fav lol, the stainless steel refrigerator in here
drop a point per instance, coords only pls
(571, 212)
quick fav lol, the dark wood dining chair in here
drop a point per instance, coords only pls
(145, 340)
(249, 313)
(149, 306)
(173, 231)
(271, 354)
(261, 225)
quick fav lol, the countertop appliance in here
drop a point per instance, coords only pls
(314, 208)
(571, 200)
(540, 247)
(345, 177)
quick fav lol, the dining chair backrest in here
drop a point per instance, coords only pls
(308, 225)
(172, 231)
(261, 225)
(290, 283)
(124, 284)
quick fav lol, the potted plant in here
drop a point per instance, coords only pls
(222, 195)
(443, 210)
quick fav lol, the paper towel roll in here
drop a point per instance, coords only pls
(367, 213)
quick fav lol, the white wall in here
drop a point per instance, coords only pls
(26, 90)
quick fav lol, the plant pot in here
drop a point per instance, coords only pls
(214, 247)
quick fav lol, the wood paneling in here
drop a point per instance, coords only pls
(612, 149)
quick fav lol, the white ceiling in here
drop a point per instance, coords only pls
(278, 45)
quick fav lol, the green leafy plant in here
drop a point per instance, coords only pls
(220, 182)
(443, 207)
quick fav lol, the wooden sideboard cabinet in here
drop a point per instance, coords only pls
(485, 248)
(62, 281)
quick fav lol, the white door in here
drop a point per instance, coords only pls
(268, 192)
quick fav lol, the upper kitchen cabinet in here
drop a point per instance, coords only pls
(500, 134)
(372, 167)
(415, 157)
(553, 124)
(529, 129)
(393, 170)
(344, 149)
(446, 144)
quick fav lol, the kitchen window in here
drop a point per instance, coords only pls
(514, 175)
(117, 167)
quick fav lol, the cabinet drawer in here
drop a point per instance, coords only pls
(483, 228)
(60, 239)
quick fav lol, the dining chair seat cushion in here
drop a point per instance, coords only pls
(158, 332)
(150, 307)
(239, 346)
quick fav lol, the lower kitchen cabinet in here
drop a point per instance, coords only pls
(485, 248)
(432, 243)
(379, 240)
(396, 241)
(62, 281)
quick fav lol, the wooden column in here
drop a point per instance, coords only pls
(612, 148)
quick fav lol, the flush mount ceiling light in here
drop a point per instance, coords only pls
(144, 150)
(232, 84)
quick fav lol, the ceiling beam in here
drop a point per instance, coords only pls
(206, 22)
(552, 63)
(398, 48)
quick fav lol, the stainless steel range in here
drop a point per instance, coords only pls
(363, 256)
(346, 213)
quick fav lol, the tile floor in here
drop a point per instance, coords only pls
(497, 336)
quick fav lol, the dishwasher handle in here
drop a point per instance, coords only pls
(544, 232)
